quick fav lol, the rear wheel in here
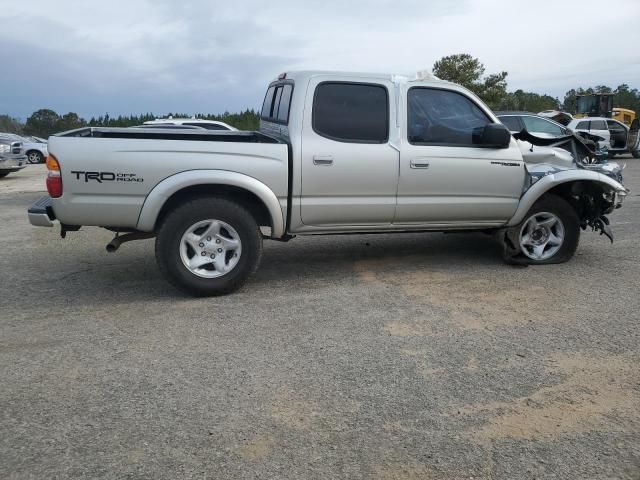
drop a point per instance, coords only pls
(34, 157)
(4, 174)
(208, 246)
(550, 231)
(636, 154)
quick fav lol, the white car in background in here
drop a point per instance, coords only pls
(617, 137)
(36, 149)
(194, 122)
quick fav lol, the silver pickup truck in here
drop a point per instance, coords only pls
(335, 153)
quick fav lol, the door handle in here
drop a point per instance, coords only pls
(419, 163)
(323, 160)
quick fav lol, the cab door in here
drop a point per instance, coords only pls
(349, 169)
(445, 178)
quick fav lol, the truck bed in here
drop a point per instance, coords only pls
(108, 174)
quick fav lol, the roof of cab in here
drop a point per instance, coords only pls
(422, 76)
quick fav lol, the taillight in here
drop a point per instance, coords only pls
(54, 180)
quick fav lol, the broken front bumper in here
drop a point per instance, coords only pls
(41, 213)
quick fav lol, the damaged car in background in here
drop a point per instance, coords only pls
(336, 153)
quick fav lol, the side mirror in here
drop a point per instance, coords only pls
(493, 135)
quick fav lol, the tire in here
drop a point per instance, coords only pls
(538, 229)
(4, 174)
(636, 154)
(34, 156)
(187, 238)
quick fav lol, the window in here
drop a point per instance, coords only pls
(276, 103)
(285, 101)
(539, 125)
(614, 126)
(598, 125)
(582, 126)
(351, 112)
(268, 103)
(443, 117)
(512, 123)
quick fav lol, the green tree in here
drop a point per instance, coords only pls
(42, 123)
(468, 71)
(10, 125)
(528, 101)
(70, 121)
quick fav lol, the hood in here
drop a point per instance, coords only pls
(544, 156)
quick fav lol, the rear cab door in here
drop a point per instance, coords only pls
(349, 168)
(446, 179)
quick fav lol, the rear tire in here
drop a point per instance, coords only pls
(190, 241)
(550, 232)
(4, 174)
(636, 154)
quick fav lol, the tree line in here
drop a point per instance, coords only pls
(469, 72)
(45, 122)
(462, 69)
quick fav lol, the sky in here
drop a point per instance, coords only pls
(206, 56)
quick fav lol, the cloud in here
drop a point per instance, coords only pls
(203, 56)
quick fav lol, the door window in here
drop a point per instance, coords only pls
(351, 112)
(540, 125)
(598, 125)
(443, 117)
(583, 125)
(512, 123)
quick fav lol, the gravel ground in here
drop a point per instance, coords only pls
(402, 357)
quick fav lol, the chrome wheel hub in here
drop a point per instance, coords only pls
(541, 236)
(210, 248)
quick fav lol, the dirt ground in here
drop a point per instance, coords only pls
(414, 356)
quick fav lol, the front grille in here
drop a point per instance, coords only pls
(16, 148)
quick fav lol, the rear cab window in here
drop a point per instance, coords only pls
(277, 103)
(351, 112)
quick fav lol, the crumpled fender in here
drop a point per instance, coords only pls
(170, 185)
(550, 181)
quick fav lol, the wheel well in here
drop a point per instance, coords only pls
(243, 197)
(586, 197)
(33, 150)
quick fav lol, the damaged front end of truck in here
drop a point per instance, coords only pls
(568, 167)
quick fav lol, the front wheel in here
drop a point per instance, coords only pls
(550, 232)
(208, 246)
(34, 157)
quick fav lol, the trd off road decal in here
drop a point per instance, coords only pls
(106, 177)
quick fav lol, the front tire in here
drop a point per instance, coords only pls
(550, 232)
(34, 157)
(4, 174)
(208, 246)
